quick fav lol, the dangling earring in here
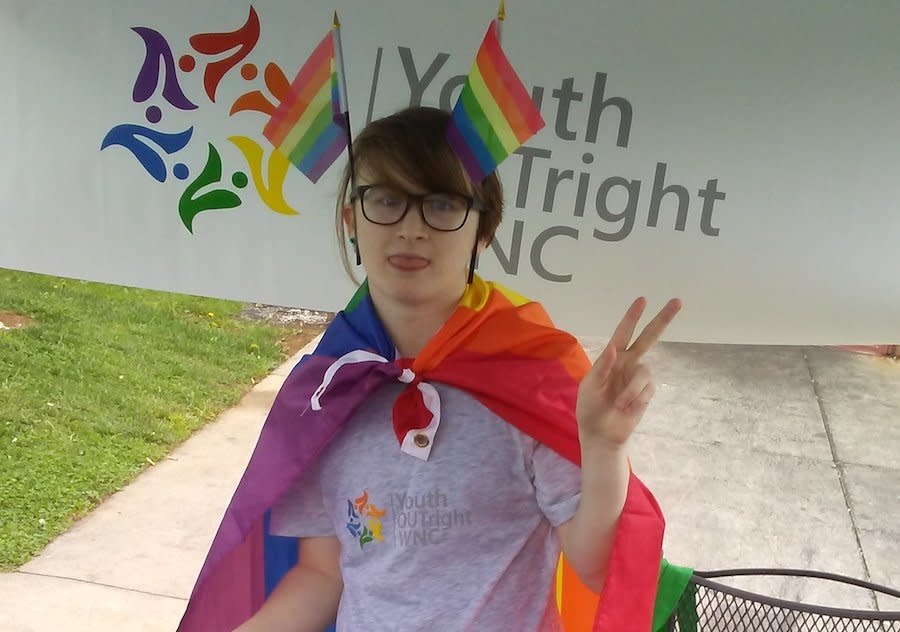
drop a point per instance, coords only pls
(474, 260)
(356, 249)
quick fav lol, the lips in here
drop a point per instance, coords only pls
(408, 262)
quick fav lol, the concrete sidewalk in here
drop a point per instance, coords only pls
(776, 456)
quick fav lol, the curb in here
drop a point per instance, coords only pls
(888, 351)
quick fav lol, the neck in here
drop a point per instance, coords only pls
(412, 325)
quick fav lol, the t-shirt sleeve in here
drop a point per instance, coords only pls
(301, 512)
(557, 484)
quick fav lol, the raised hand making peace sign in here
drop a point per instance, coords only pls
(615, 393)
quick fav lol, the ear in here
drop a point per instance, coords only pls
(349, 220)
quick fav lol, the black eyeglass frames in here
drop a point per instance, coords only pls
(385, 205)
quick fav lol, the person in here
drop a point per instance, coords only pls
(444, 502)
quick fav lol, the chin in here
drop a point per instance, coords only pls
(419, 290)
(412, 291)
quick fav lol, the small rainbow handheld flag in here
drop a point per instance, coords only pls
(308, 126)
(494, 114)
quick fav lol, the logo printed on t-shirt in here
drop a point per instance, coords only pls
(426, 518)
(361, 509)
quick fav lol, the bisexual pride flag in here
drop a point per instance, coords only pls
(308, 125)
(499, 347)
(494, 114)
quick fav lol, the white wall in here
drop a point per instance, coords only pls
(792, 108)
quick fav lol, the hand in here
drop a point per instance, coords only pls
(614, 394)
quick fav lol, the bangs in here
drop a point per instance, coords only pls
(411, 154)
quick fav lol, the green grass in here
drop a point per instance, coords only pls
(105, 381)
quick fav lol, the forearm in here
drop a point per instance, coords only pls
(605, 473)
(306, 600)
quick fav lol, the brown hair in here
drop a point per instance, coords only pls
(411, 144)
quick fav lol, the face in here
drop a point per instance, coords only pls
(409, 262)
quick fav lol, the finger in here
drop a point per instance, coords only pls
(643, 400)
(604, 364)
(625, 330)
(640, 402)
(638, 381)
(655, 328)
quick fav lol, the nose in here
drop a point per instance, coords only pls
(413, 225)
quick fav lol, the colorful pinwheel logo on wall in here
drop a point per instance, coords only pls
(209, 189)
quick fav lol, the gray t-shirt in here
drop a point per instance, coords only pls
(460, 541)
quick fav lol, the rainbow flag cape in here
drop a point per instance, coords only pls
(308, 125)
(494, 114)
(499, 347)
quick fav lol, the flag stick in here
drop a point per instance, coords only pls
(342, 92)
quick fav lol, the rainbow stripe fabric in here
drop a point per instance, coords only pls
(308, 125)
(494, 114)
(504, 351)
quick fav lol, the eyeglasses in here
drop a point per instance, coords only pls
(385, 205)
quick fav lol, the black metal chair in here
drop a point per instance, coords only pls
(709, 605)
